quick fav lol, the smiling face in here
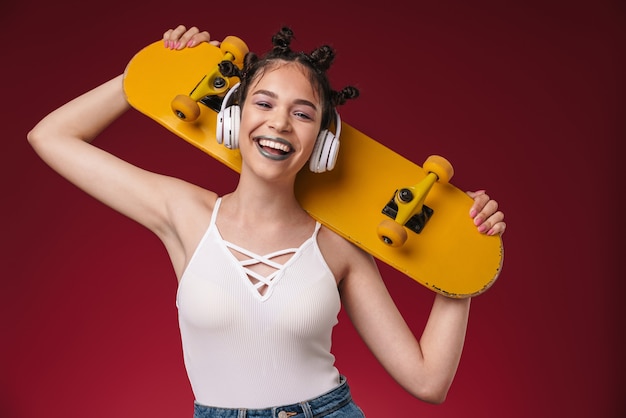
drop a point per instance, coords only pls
(280, 121)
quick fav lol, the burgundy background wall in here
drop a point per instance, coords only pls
(525, 98)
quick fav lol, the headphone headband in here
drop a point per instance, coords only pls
(229, 93)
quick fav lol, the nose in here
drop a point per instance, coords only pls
(279, 120)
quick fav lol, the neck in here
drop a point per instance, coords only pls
(261, 198)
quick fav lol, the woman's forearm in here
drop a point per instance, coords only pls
(443, 339)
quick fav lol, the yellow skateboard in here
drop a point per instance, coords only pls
(407, 216)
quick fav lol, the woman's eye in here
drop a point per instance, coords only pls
(303, 115)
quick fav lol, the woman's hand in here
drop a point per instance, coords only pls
(487, 218)
(181, 37)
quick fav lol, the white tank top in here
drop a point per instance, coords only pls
(249, 349)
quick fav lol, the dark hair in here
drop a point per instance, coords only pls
(317, 63)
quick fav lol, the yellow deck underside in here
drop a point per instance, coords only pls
(449, 256)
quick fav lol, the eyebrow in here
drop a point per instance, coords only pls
(275, 96)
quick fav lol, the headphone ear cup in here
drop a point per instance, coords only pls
(326, 149)
(230, 124)
(314, 161)
(325, 152)
(219, 131)
(333, 152)
(228, 119)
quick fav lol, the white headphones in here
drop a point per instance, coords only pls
(325, 151)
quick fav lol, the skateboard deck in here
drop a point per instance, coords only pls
(448, 255)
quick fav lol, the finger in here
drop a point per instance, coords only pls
(172, 36)
(186, 37)
(181, 38)
(493, 225)
(476, 193)
(480, 199)
(487, 210)
(497, 229)
(198, 38)
(175, 32)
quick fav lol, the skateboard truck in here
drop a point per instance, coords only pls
(211, 88)
(418, 219)
(406, 207)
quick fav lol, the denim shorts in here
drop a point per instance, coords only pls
(337, 403)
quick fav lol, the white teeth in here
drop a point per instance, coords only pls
(275, 145)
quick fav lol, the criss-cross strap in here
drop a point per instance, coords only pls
(260, 281)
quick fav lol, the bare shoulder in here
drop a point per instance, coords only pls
(343, 257)
(189, 214)
(191, 207)
(185, 200)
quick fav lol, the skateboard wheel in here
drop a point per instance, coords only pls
(185, 108)
(392, 233)
(440, 167)
(235, 46)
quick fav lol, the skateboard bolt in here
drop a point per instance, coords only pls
(219, 82)
(405, 195)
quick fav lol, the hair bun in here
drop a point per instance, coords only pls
(282, 41)
(347, 93)
(322, 58)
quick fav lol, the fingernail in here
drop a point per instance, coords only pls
(190, 43)
(491, 232)
(482, 228)
(473, 213)
(177, 45)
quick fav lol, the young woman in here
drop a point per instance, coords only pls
(260, 282)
